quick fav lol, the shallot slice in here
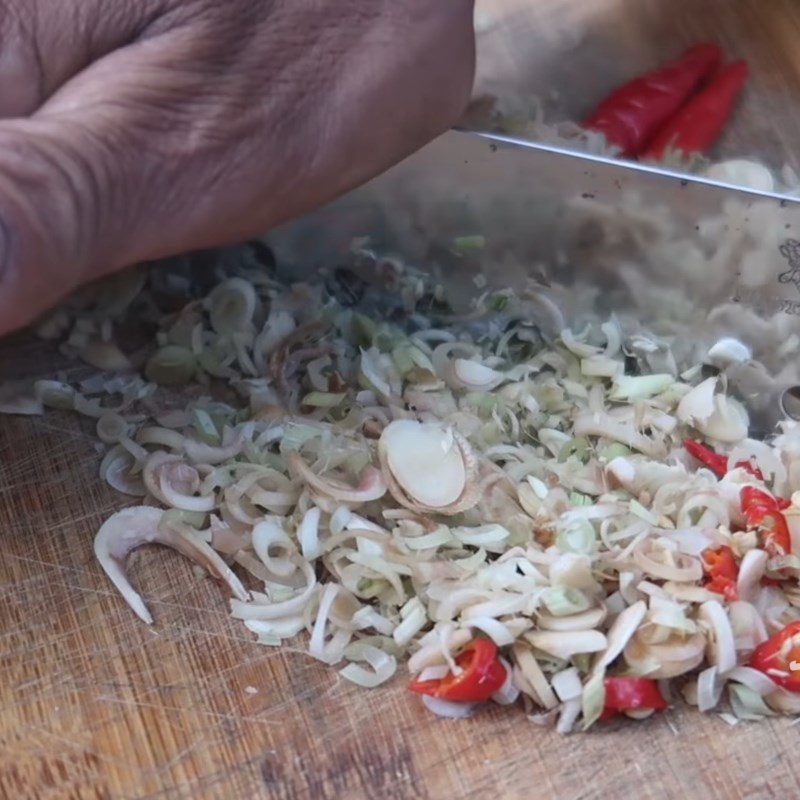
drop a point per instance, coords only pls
(429, 467)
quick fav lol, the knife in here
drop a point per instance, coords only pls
(691, 259)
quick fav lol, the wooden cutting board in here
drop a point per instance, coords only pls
(95, 704)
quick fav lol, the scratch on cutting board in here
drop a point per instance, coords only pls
(201, 787)
(254, 718)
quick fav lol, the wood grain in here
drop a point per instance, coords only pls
(94, 704)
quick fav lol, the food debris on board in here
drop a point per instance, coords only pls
(577, 525)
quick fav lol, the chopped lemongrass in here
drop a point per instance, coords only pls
(639, 387)
(323, 399)
(466, 244)
(563, 601)
(400, 477)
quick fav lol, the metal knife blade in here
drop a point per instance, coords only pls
(688, 257)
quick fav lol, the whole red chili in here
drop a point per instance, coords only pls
(705, 455)
(630, 694)
(699, 123)
(633, 114)
(481, 675)
(779, 657)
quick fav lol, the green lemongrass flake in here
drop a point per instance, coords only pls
(614, 450)
(467, 244)
(576, 535)
(483, 402)
(296, 435)
(578, 447)
(499, 301)
(364, 330)
(370, 587)
(323, 399)
(563, 601)
(593, 699)
(420, 359)
(171, 366)
(640, 387)
(439, 537)
(747, 704)
(384, 340)
(205, 426)
(401, 357)
(269, 639)
(583, 661)
(357, 462)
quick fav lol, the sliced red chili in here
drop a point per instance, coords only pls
(762, 513)
(629, 694)
(751, 496)
(717, 463)
(779, 657)
(719, 565)
(698, 124)
(748, 467)
(481, 675)
(634, 113)
(705, 455)
(775, 534)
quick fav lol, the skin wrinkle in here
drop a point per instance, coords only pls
(222, 119)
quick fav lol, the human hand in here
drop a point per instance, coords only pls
(135, 129)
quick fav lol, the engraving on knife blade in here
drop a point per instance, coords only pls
(767, 304)
(790, 250)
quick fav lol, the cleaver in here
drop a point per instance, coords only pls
(674, 257)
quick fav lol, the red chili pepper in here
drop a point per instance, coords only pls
(633, 114)
(699, 123)
(629, 694)
(762, 512)
(715, 462)
(779, 657)
(748, 467)
(720, 566)
(751, 496)
(480, 677)
(705, 455)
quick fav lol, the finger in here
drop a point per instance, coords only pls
(159, 148)
(44, 43)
